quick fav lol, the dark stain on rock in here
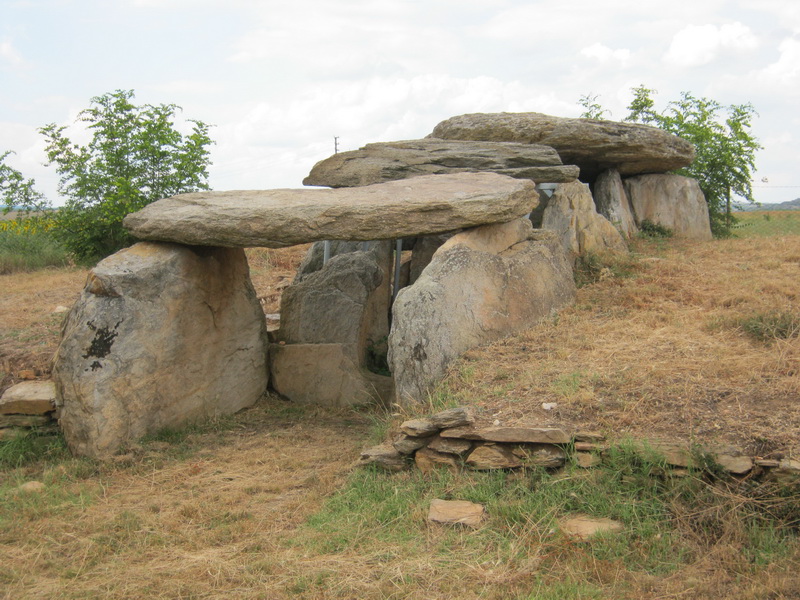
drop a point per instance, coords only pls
(102, 342)
(418, 352)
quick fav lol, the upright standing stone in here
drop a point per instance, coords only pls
(672, 201)
(482, 284)
(162, 335)
(612, 202)
(571, 215)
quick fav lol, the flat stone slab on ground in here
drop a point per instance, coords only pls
(530, 435)
(456, 512)
(29, 398)
(279, 218)
(584, 527)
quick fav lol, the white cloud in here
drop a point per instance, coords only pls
(697, 45)
(9, 55)
(786, 69)
(604, 54)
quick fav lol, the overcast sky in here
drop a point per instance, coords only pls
(278, 80)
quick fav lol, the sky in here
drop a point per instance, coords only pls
(279, 80)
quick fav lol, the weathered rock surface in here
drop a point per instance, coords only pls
(476, 290)
(612, 202)
(592, 145)
(314, 258)
(571, 215)
(585, 527)
(428, 459)
(162, 335)
(450, 445)
(529, 435)
(325, 374)
(277, 218)
(419, 427)
(545, 456)
(345, 302)
(385, 457)
(486, 458)
(456, 512)
(388, 161)
(408, 444)
(29, 398)
(671, 201)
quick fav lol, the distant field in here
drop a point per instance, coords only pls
(761, 223)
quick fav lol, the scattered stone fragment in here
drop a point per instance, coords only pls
(450, 445)
(407, 444)
(767, 463)
(546, 456)
(29, 398)
(738, 465)
(589, 447)
(32, 487)
(27, 374)
(419, 428)
(385, 457)
(530, 435)
(787, 472)
(549, 405)
(60, 309)
(427, 460)
(484, 458)
(584, 526)
(456, 512)
(588, 436)
(453, 417)
(586, 460)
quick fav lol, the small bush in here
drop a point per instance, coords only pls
(648, 229)
(591, 267)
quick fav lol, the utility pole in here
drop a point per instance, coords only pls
(336, 144)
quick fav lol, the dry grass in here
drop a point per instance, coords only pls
(660, 353)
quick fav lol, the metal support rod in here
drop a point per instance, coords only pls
(326, 252)
(398, 251)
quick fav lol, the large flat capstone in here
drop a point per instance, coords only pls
(591, 144)
(279, 218)
(389, 161)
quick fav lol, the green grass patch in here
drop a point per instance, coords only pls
(768, 327)
(767, 223)
(32, 447)
(649, 229)
(25, 247)
(669, 521)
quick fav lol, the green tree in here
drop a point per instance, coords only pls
(16, 192)
(725, 148)
(136, 156)
(592, 109)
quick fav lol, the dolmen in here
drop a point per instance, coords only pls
(170, 331)
(422, 249)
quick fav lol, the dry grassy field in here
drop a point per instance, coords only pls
(689, 341)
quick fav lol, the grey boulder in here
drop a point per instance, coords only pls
(482, 285)
(162, 335)
(672, 201)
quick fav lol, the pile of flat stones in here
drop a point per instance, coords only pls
(452, 439)
(28, 406)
